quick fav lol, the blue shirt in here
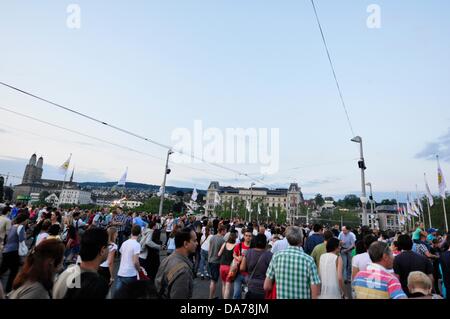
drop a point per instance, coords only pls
(138, 221)
(313, 241)
(14, 212)
(12, 242)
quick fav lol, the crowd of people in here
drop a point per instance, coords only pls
(50, 253)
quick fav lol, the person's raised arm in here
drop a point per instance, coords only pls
(221, 249)
(340, 266)
(111, 256)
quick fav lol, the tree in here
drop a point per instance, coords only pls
(43, 195)
(349, 201)
(389, 202)
(152, 206)
(319, 200)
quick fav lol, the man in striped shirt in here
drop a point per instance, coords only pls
(377, 281)
(118, 221)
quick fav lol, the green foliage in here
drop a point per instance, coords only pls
(437, 213)
(350, 201)
(389, 202)
(319, 200)
(152, 206)
(240, 210)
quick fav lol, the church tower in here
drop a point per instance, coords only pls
(39, 169)
(28, 175)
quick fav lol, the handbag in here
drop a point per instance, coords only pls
(245, 285)
(23, 249)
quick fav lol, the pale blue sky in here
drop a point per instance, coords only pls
(154, 66)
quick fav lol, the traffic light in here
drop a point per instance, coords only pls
(361, 164)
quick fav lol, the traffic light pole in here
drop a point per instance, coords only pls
(166, 171)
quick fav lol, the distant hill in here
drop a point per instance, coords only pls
(140, 186)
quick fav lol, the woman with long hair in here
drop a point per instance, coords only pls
(226, 258)
(72, 246)
(153, 258)
(204, 249)
(106, 269)
(171, 241)
(35, 280)
(11, 259)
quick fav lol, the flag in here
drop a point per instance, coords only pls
(419, 203)
(268, 212)
(123, 179)
(217, 199)
(248, 206)
(65, 166)
(441, 181)
(405, 211)
(409, 208)
(159, 193)
(194, 195)
(276, 214)
(232, 203)
(429, 195)
(259, 210)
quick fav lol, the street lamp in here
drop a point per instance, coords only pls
(166, 171)
(251, 201)
(371, 200)
(362, 166)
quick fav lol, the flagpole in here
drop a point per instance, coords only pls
(429, 212)
(445, 214)
(64, 181)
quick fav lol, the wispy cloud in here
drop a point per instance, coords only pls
(441, 147)
(319, 182)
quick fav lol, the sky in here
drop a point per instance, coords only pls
(153, 67)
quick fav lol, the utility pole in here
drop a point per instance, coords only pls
(251, 202)
(363, 167)
(166, 171)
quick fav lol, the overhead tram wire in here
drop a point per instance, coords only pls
(104, 141)
(129, 132)
(332, 68)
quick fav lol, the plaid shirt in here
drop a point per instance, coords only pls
(120, 218)
(294, 272)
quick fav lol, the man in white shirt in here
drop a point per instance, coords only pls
(129, 262)
(348, 240)
(280, 245)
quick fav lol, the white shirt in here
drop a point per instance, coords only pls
(169, 225)
(41, 237)
(111, 248)
(205, 243)
(361, 261)
(171, 244)
(268, 235)
(280, 245)
(129, 249)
